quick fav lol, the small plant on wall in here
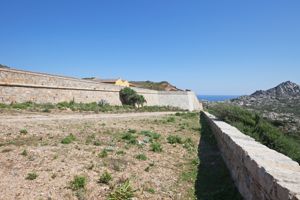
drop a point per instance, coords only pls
(130, 97)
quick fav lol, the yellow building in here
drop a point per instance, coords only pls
(118, 82)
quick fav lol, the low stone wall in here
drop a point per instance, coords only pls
(259, 173)
(22, 86)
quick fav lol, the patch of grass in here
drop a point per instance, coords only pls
(170, 119)
(123, 191)
(156, 147)
(23, 131)
(103, 154)
(79, 182)
(130, 138)
(174, 139)
(24, 153)
(120, 152)
(105, 178)
(141, 157)
(254, 125)
(150, 190)
(152, 135)
(69, 139)
(189, 144)
(31, 176)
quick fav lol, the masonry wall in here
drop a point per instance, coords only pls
(259, 173)
(22, 86)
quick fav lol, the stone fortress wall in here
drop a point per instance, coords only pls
(21, 86)
(258, 172)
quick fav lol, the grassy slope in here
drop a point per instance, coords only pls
(255, 126)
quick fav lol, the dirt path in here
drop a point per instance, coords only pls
(51, 117)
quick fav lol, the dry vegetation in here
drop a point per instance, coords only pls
(111, 158)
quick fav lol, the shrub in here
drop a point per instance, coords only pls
(31, 176)
(67, 140)
(173, 139)
(130, 97)
(156, 147)
(151, 134)
(79, 182)
(103, 153)
(23, 131)
(105, 178)
(122, 192)
(141, 157)
(130, 138)
(24, 153)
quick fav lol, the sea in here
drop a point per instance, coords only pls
(214, 98)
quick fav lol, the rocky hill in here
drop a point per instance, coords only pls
(280, 104)
(161, 86)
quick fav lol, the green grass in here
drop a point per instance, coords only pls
(156, 147)
(103, 154)
(123, 191)
(24, 153)
(254, 125)
(174, 139)
(130, 138)
(79, 182)
(141, 157)
(68, 139)
(31, 176)
(152, 135)
(90, 107)
(23, 131)
(105, 178)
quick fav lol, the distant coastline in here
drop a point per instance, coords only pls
(213, 98)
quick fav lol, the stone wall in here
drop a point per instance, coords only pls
(22, 86)
(259, 173)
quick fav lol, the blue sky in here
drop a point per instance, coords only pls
(211, 47)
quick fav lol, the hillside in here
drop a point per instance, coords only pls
(281, 105)
(161, 86)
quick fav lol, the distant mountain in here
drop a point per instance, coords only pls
(284, 90)
(280, 104)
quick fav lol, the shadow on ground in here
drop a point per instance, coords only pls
(213, 180)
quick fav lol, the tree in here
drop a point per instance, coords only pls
(129, 96)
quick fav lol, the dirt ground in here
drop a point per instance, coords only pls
(32, 143)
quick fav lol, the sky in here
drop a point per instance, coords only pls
(221, 47)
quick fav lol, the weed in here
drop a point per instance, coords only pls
(122, 192)
(105, 178)
(31, 176)
(103, 154)
(120, 152)
(170, 119)
(130, 138)
(156, 147)
(152, 135)
(23, 131)
(150, 190)
(67, 140)
(79, 182)
(141, 157)
(24, 153)
(173, 139)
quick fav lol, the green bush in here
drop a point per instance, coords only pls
(156, 147)
(141, 157)
(67, 140)
(122, 192)
(105, 178)
(152, 135)
(130, 97)
(79, 182)
(173, 139)
(31, 176)
(130, 138)
(103, 153)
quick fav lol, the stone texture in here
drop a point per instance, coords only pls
(22, 86)
(258, 171)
